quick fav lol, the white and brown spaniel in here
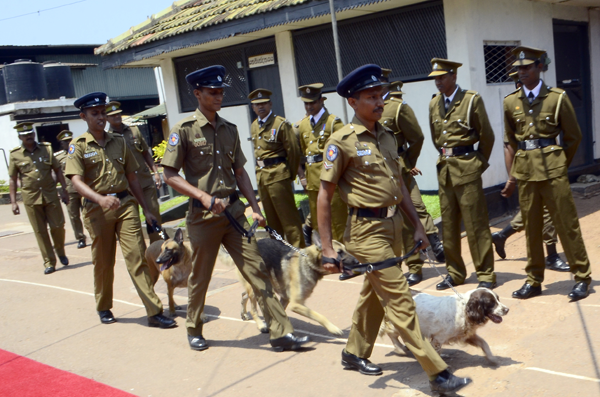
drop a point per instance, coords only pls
(452, 319)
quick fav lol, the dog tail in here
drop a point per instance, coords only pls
(225, 258)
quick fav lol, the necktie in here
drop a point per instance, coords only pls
(261, 123)
(312, 121)
(531, 97)
(447, 104)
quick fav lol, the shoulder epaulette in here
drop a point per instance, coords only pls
(58, 153)
(80, 138)
(46, 143)
(514, 92)
(15, 148)
(556, 90)
(471, 92)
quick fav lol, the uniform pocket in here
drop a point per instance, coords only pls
(547, 124)
(25, 167)
(118, 163)
(471, 164)
(554, 157)
(203, 156)
(138, 145)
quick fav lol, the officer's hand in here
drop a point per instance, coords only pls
(509, 189)
(218, 207)
(303, 183)
(15, 209)
(150, 218)
(261, 219)
(420, 235)
(64, 196)
(157, 180)
(415, 171)
(109, 202)
(330, 267)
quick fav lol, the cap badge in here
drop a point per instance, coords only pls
(521, 55)
(97, 99)
(374, 78)
(398, 87)
(259, 95)
(114, 108)
(436, 66)
(308, 90)
(219, 78)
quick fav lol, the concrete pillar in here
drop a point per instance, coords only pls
(294, 110)
(171, 92)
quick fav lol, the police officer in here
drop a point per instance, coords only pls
(362, 159)
(143, 156)
(314, 131)
(534, 116)
(33, 163)
(400, 118)
(209, 150)
(102, 168)
(74, 206)
(458, 120)
(553, 260)
(277, 156)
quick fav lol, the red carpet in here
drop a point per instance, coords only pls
(22, 377)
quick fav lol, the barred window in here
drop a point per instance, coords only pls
(499, 60)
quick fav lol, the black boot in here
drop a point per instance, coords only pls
(437, 247)
(554, 261)
(307, 232)
(499, 239)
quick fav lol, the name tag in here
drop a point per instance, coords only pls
(199, 142)
(88, 155)
(364, 152)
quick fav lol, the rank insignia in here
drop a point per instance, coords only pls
(332, 152)
(327, 166)
(173, 139)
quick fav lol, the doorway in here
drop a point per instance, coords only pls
(571, 50)
(48, 133)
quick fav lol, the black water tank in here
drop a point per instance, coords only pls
(58, 80)
(25, 81)
(3, 99)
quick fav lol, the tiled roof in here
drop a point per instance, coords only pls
(190, 15)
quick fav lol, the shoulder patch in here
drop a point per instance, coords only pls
(71, 148)
(173, 139)
(332, 152)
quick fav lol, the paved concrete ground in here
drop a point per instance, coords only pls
(546, 345)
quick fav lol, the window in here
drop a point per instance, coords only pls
(498, 61)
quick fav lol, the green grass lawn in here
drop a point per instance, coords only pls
(165, 206)
(432, 202)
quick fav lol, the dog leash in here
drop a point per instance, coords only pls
(156, 228)
(428, 252)
(236, 225)
(278, 237)
(349, 272)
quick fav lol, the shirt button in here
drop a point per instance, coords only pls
(459, 120)
(259, 148)
(395, 198)
(33, 161)
(309, 152)
(219, 167)
(37, 170)
(445, 121)
(109, 172)
(112, 185)
(351, 126)
(106, 159)
(530, 111)
(444, 132)
(218, 152)
(260, 137)
(445, 143)
(310, 142)
(230, 152)
(201, 152)
(38, 180)
(547, 118)
(306, 136)
(531, 124)
(385, 122)
(221, 182)
(531, 136)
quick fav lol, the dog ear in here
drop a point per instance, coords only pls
(178, 236)
(316, 239)
(475, 309)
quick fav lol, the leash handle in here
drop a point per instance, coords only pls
(155, 227)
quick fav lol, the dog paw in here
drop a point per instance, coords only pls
(245, 317)
(335, 330)
(264, 330)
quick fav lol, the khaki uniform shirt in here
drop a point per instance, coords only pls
(366, 168)
(35, 171)
(275, 139)
(550, 113)
(138, 146)
(103, 169)
(209, 155)
(400, 118)
(312, 143)
(62, 159)
(461, 127)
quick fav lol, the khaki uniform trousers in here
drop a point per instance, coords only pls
(280, 209)
(151, 199)
(104, 226)
(466, 202)
(555, 195)
(385, 292)
(339, 213)
(207, 232)
(414, 262)
(42, 216)
(548, 230)
(74, 209)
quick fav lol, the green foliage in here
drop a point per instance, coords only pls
(159, 151)
(432, 202)
(165, 206)
(3, 186)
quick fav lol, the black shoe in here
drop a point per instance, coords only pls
(499, 239)
(289, 342)
(161, 321)
(307, 232)
(485, 284)
(555, 262)
(437, 247)
(414, 279)
(81, 244)
(527, 291)
(49, 270)
(64, 260)
(580, 290)
(106, 317)
(444, 284)
(362, 365)
(447, 382)
(197, 342)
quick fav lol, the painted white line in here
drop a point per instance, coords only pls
(547, 371)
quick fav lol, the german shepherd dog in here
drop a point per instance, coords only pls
(293, 275)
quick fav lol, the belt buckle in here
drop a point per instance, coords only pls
(391, 211)
(531, 144)
(260, 163)
(112, 194)
(448, 151)
(310, 159)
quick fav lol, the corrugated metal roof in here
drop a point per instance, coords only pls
(186, 16)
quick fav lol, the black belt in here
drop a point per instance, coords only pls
(233, 197)
(370, 212)
(317, 158)
(270, 162)
(531, 144)
(120, 196)
(456, 151)
(400, 150)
